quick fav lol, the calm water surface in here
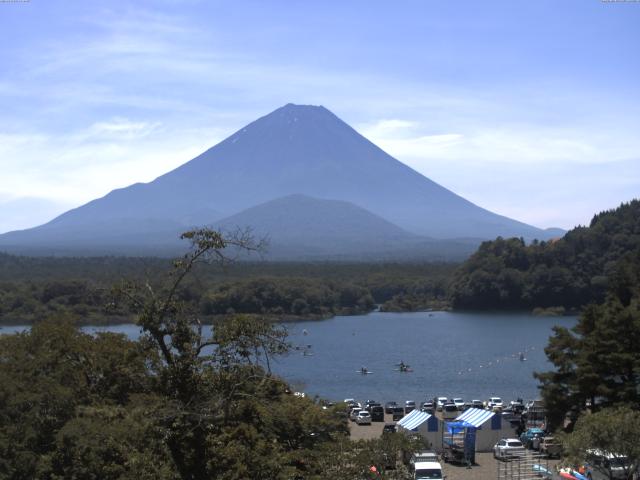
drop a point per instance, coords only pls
(469, 355)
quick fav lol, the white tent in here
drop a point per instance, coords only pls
(489, 426)
(428, 426)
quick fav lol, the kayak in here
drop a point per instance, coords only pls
(542, 470)
(571, 474)
(567, 475)
(364, 373)
(406, 370)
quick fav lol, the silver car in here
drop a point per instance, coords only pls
(508, 448)
(363, 418)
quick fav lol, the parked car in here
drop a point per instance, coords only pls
(550, 447)
(529, 435)
(495, 404)
(466, 406)
(368, 403)
(409, 405)
(440, 401)
(377, 413)
(353, 404)
(389, 428)
(354, 413)
(477, 404)
(427, 407)
(363, 418)
(397, 414)
(516, 407)
(459, 402)
(425, 466)
(389, 406)
(601, 465)
(508, 448)
(369, 406)
(450, 411)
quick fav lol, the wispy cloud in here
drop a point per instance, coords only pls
(527, 144)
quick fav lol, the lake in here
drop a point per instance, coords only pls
(470, 355)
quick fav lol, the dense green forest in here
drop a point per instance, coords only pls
(33, 288)
(569, 272)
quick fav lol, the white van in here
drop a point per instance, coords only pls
(427, 471)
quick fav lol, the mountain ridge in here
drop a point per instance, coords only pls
(295, 149)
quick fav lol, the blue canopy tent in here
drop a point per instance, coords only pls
(487, 426)
(462, 437)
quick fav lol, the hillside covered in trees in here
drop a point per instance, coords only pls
(34, 288)
(569, 272)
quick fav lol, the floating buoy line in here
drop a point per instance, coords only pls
(516, 356)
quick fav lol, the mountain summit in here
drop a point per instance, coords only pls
(296, 149)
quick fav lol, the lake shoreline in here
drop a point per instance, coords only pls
(291, 319)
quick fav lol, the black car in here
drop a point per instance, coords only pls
(370, 405)
(377, 413)
(398, 413)
(389, 428)
(409, 405)
(389, 406)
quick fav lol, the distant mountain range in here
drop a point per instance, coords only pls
(299, 175)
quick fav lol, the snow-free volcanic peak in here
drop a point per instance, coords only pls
(296, 149)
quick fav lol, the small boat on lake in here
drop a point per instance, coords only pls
(403, 367)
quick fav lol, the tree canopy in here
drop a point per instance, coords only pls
(611, 431)
(569, 272)
(597, 362)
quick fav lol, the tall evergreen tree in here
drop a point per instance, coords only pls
(597, 362)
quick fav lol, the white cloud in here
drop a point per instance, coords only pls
(85, 164)
(410, 141)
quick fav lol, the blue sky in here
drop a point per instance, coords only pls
(530, 109)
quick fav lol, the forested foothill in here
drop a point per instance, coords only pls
(567, 273)
(33, 288)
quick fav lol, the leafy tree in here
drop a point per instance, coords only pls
(48, 376)
(597, 362)
(218, 402)
(175, 404)
(614, 431)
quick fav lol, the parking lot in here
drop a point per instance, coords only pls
(486, 466)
